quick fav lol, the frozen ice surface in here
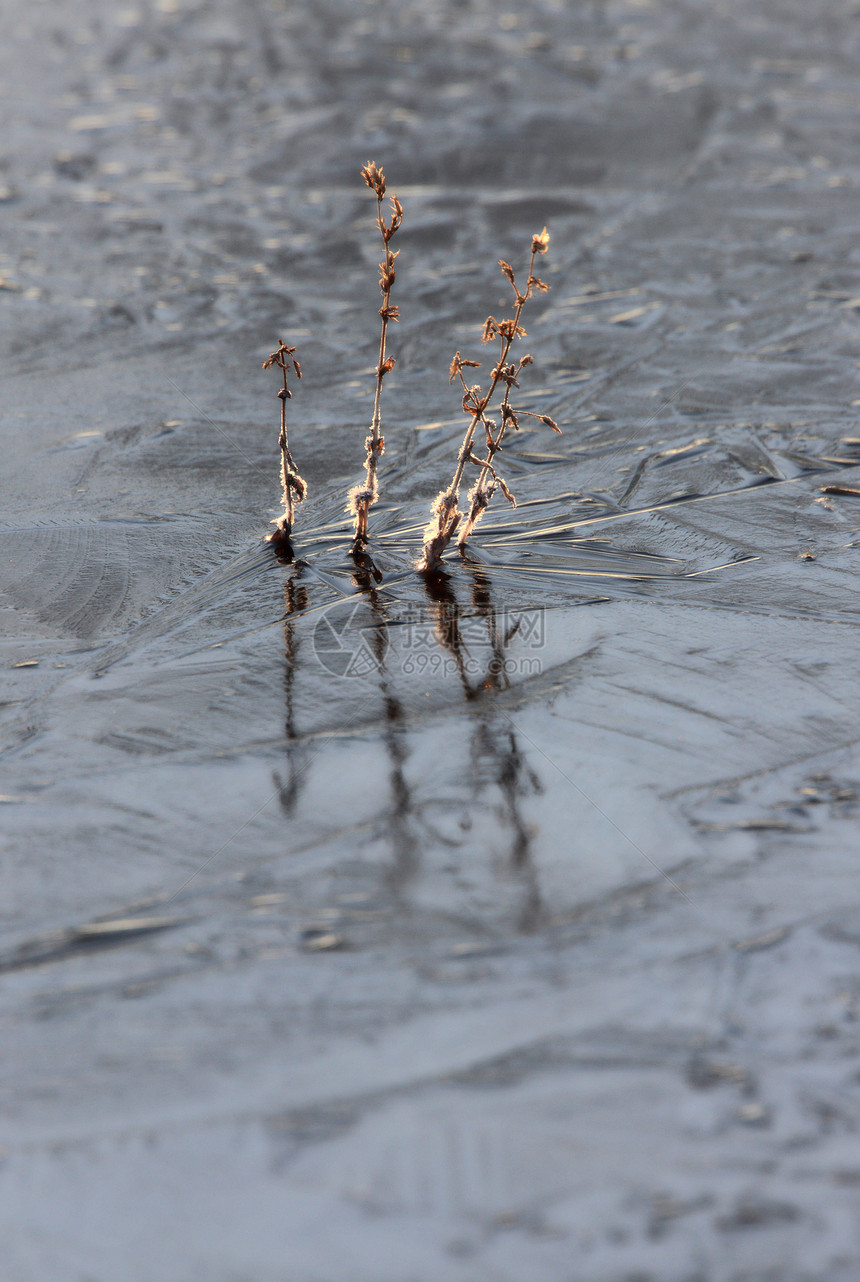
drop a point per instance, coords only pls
(502, 926)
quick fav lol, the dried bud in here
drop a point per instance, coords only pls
(285, 394)
(298, 484)
(490, 330)
(396, 215)
(509, 271)
(540, 242)
(509, 330)
(374, 177)
(549, 422)
(458, 363)
(526, 360)
(297, 367)
(507, 374)
(386, 271)
(386, 367)
(390, 313)
(509, 416)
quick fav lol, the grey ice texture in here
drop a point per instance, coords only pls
(505, 929)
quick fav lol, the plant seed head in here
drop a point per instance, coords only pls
(540, 242)
(374, 177)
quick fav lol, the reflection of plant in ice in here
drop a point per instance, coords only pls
(404, 844)
(496, 760)
(291, 483)
(362, 497)
(295, 603)
(491, 741)
(446, 517)
(515, 779)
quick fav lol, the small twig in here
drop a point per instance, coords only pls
(362, 497)
(291, 483)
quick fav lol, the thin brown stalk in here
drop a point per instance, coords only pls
(362, 497)
(293, 487)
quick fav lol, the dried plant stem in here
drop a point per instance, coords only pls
(291, 483)
(372, 463)
(480, 494)
(287, 465)
(446, 516)
(362, 498)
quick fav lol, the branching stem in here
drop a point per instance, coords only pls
(447, 518)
